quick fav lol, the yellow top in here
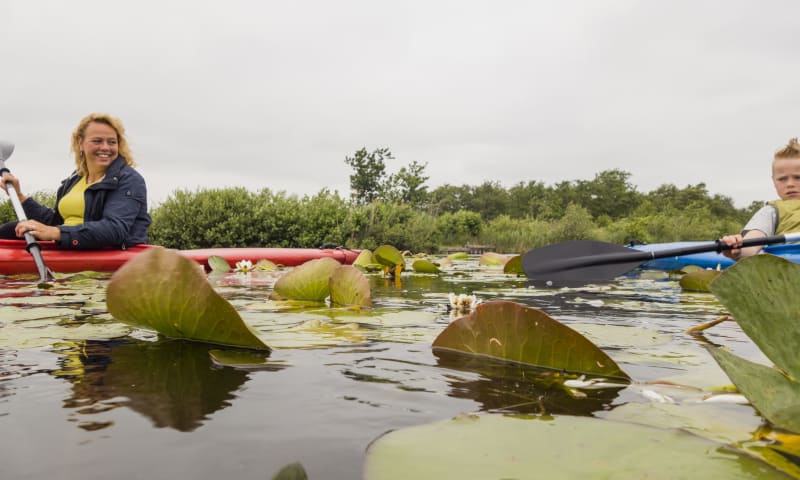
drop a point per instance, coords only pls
(788, 215)
(72, 205)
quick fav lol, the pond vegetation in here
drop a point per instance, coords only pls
(593, 380)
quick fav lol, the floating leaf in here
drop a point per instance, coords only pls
(293, 471)
(425, 266)
(505, 447)
(348, 286)
(363, 259)
(774, 395)
(244, 360)
(699, 280)
(166, 292)
(514, 265)
(308, 281)
(518, 333)
(761, 294)
(458, 256)
(265, 265)
(218, 264)
(388, 256)
(492, 259)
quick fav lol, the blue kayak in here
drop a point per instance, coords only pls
(712, 260)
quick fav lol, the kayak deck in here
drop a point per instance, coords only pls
(15, 259)
(712, 260)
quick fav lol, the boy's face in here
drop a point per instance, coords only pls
(786, 178)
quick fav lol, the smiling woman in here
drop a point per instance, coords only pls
(102, 204)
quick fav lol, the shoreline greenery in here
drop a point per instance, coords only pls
(398, 209)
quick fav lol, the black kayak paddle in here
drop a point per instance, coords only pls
(33, 247)
(587, 261)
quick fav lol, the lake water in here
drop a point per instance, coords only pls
(135, 407)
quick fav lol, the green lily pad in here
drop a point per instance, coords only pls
(166, 292)
(265, 265)
(349, 287)
(492, 259)
(458, 256)
(388, 256)
(761, 294)
(425, 266)
(218, 264)
(309, 281)
(514, 265)
(774, 395)
(505, 447)
(515, 332)
(363, 259)
(699, 280)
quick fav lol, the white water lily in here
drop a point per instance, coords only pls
(462, 303)
(244, 266)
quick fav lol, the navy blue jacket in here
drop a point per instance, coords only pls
(115, 215)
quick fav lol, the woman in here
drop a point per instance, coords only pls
(103, 204)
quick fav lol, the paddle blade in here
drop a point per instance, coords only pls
(578, 262)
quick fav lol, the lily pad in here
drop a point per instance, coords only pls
(388, 256)
(348, 287)
(699, 280)
(761, 294)
(425, 266)
(166, 292)
(458, 256)
(774, 395)
(218, 264)
(363, 259)
(515, 332)
(309, 281)
(492, 259)
(514, 265)
(505, 447)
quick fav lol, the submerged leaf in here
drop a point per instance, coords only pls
(522, 334)
(425, 266)
(774, 395)
(698, 281)
(309, 281)
(348, 287)
(761, 294)
(166, 292)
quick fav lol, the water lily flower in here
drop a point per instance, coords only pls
(462, 303)
(244, 266)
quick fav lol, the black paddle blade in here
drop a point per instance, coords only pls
(579, 262)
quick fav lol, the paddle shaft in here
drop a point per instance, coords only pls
(642, 256)
(32, 245)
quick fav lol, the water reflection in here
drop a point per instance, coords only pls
(508, 387)
(171, 382)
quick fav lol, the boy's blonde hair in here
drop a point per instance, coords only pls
(80, 130)
(792, 150)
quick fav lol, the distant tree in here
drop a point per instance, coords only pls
(526, 200)
(609, 193)
(408, 184)
(489, 199)
(449, 199)
(369, 174)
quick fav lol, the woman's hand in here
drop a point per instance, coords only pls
(7, 178)
(39, 230)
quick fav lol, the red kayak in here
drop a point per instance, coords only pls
(14, 259)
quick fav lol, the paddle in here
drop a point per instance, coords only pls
(33, 247)
(586, 261)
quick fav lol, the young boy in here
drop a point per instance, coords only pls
(779, 216)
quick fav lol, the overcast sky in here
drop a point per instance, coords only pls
(276, 94)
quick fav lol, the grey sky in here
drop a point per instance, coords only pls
(276, 94)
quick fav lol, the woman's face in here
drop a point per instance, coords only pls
(100, 146)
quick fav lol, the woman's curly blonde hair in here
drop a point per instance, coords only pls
(80, 130)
